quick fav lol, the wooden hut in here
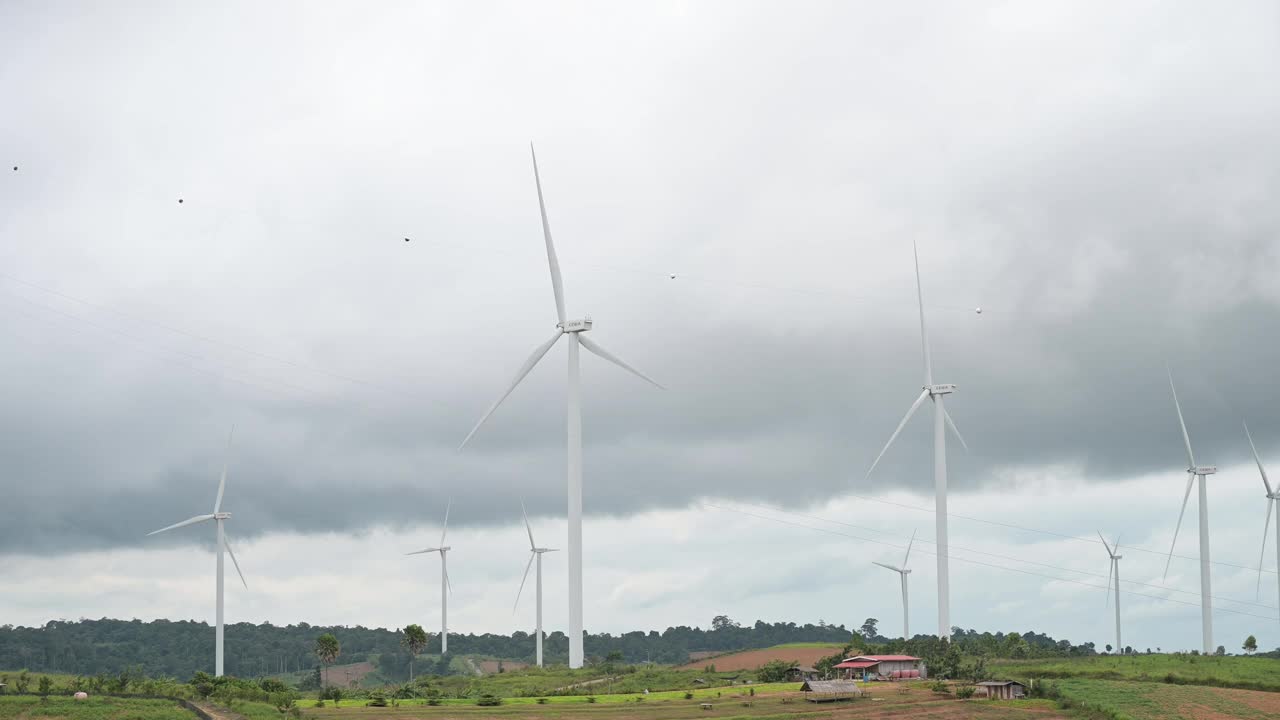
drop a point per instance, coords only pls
(1002, 690)
(830, 690)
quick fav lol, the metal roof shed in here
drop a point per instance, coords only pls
(831, 690)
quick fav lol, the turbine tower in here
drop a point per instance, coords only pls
(222, 543)
(941, 417)
(1114, 571)
(445, 586)
(535, 552)
(903, 572)
(1196, 472)
(574, 329)
(1273, 499)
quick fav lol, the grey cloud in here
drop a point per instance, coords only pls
(1111, 212)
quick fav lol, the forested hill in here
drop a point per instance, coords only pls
(178, 649)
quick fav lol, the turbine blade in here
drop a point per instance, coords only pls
(909, 544)
(1111, 566)
(952, 424)
(591, 345)
(534, 357)
(883, 565)
(1176, 528)
(924, 336)
(222, 484)
(1191, 458)
(227, 544)
(445, 531)
(557, 286)
(532, 555)
(1266, 525)
(1104, 544)
(423, 551)
(1261, 470)
(532, 544)
(912, 411)
(184, 523)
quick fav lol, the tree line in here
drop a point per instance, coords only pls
(168, 648)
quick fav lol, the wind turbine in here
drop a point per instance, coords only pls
(941, 417)
(1196, 472)
(1114, 571)
(535, 552)
(1273, 498)
(218, 517)
(445, 586)
(903, 572)
(574, 329)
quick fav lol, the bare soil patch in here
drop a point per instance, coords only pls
(752, 659)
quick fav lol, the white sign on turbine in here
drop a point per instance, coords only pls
(903, 572)
(218, 517)
(535, 552)
(445, 586)
(574, 329)
(1114, 571)
(1273, 499)
(1196, 472)
(941, 418)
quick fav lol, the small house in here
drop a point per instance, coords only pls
(884, 667)
(1001, 690)
(830, 690)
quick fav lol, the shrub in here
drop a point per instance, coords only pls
(966, 692)
(940, 687)
(46, 685)
(488, 700)
(433, 701)
(688, 696)
(542, 701)
(591, 698)
(319, 703)
(377, 698)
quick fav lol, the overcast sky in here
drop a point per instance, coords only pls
(734, 190)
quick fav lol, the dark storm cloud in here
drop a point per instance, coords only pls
(1105, 232)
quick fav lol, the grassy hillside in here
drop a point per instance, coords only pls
(1161, 701)
(97, 708)
(1250, 673)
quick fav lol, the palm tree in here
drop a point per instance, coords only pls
(415, 641)
(327, 649)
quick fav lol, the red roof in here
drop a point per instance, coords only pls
(886, 658)
(858, 664)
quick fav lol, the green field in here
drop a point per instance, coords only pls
(98, 708)
(1162, 701)
(1249, 673)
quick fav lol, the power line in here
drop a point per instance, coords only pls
(983, 564)
(1005, 557)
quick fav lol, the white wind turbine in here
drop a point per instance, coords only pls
(903, 572)
(535, 552)
(1196, 472)
(574, 329)
(1114, 571)
(217, 516)
(941, 417)
(445, 586)
(1273, 499)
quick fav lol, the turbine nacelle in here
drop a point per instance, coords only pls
(222, 516)
(1203, 470)
(573, 326)
(943, 389)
